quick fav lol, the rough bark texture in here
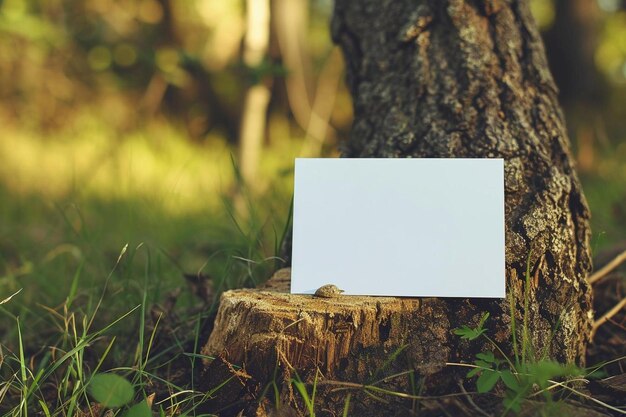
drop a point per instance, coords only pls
(435, 78)
(463, 78)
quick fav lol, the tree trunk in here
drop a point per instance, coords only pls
(434, 78)
(252, 130)
(456, 79)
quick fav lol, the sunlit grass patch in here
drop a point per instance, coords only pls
(79, 196)
(93, 226)
(157, 163)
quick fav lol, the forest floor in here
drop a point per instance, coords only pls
(113, 254)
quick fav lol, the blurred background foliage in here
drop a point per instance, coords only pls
(175, 124)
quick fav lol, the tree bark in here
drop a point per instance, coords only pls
(469, 79)
(434, 78)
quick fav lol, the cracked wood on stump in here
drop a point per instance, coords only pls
(444, 78)
(348, 338)
(327, 333)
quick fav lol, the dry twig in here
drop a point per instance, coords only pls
(607, 316)
(472, 403)
(604, 271)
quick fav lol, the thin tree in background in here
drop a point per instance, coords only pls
(253, 118)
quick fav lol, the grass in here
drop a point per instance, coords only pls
(97, 232)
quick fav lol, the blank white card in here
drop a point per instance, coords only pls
(399, 227)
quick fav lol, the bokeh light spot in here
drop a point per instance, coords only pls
(543, 12)
(150, 11)
(608, 57)
(167, 60)
(99, 58)
(609, 6)
(124, 55)
(13, 9)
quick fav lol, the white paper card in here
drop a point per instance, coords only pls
(399, 227)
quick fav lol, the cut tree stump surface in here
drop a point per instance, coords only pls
(347, 338)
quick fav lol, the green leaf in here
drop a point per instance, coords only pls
(487, 380)
(111, 390)
(473, 372)
(139, 410)
(462, 331)
(483, 319)
(486, 356)
(483, 364)
(510, 380)
(468, 333)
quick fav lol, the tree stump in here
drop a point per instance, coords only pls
(353, 339)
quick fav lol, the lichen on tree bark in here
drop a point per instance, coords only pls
(469, 79)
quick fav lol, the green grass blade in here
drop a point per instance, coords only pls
(74, 285)
(525, 336)
(23, 372)
(514, 328)
(84, 342)
(44, 409)
(301, 387)
(346, 406)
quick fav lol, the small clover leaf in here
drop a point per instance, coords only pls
(111, 390)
